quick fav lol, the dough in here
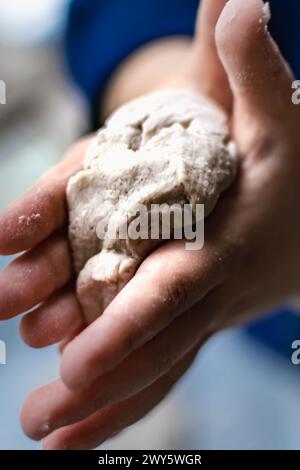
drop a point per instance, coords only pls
(167, 147)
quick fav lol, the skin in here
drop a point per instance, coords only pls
(119, 367)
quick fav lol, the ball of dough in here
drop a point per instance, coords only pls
(167, 147)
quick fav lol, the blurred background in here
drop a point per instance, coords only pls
(240, 393)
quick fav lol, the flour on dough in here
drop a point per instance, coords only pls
(167, 147)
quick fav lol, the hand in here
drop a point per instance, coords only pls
(120, 366)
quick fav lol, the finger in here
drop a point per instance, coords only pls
(34, 276)
(210, 71)
(259, 76)
(63, 343)
(59, 316)
(94, 430)
(42, 209)
(157, 294)
(56, 406)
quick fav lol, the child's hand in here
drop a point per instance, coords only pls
(122, 365)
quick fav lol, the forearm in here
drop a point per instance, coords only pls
(160, 64)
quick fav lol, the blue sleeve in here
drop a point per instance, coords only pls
(101, 33)
(285, 29)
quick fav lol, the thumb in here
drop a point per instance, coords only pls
(259, 77)
(208, 69)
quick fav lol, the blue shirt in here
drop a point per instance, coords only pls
(101, 33)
